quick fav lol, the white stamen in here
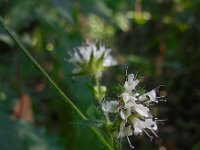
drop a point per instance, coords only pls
(129, 142)
(154, 133)
(151, 137)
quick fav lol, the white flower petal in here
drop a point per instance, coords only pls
(129, 105)
(124, 131)
(125, 97)
(125, 113)
(128, 131)
(150, 124)
(110, 106)
(131, 83)
(142, 97)
(142, 110)
(152, 95)
(138, 125)
(122, 115)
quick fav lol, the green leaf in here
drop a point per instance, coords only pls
(94, 123)
(93, 112)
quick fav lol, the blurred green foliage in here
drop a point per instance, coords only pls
(160, 37)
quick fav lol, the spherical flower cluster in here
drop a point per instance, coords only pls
(91, 59)
(133, 110)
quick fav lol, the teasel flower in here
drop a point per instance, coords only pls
(132, 110)
(91, 58)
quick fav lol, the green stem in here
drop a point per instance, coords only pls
(51, 81)
(97, 82)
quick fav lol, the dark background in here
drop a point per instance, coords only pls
(160, 37)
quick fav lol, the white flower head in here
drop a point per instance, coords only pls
(132, 110)
(91, 58)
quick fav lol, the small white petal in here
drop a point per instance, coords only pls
(155, 127)
(131, 83)
(138, 125)
(136, 94)
(125, 97)
(128, 131)
(142, 97)
(121, 130)
(129, 104)
(124, 114)
(132, 99)
(150, 124)
(152, 95)
(131, 78)
(110, 106)
(124, 131)
(142, 110)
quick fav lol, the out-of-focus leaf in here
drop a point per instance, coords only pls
(36, 139)
(9, 136)
(94, 123)
(122, 22)
(93, 112)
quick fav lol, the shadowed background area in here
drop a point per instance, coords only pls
(160, 37)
